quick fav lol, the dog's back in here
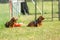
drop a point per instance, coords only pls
(33, 23)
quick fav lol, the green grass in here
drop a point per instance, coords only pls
(50, 30)
(47, 6)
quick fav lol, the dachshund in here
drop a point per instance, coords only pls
(37, 22)
(11, 22)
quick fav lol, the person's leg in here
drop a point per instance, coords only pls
(22, 8)
(26, 8)
(27, 11)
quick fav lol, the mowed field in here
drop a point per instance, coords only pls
(50, 30)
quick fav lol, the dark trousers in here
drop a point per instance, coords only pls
(24, 8)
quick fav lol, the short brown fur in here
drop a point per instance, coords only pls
(36, 23)
(11, 22)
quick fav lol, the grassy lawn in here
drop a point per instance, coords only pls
(50, 30)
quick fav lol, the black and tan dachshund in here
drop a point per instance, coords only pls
(36, 23)
(11, 22)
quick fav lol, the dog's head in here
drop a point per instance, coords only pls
(13, 19)
(11, 22)
(41, 18)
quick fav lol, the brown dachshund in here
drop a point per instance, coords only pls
(11, 22)
(36, 23)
